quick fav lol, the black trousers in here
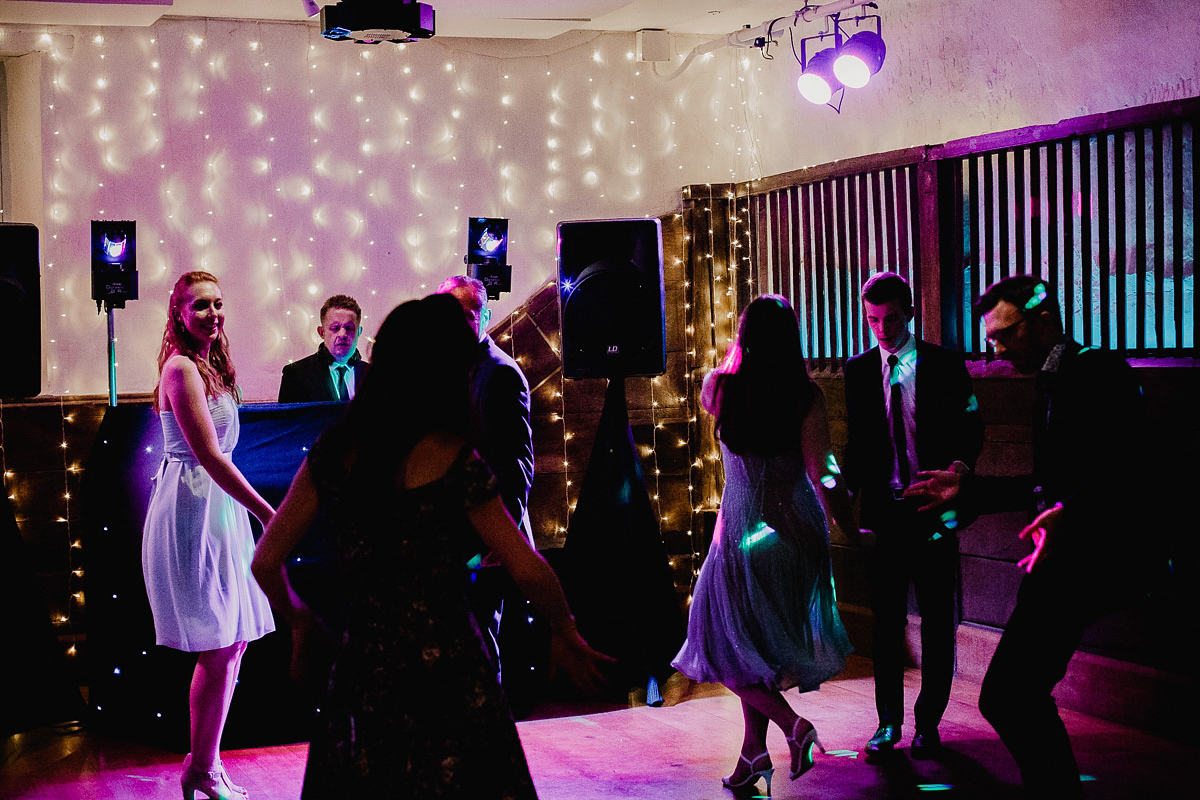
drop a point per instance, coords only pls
(517, 642)
(1054, 608)
(909, 550)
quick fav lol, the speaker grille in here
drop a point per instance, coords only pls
(610, 289)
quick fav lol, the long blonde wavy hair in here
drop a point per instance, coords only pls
(217, 371)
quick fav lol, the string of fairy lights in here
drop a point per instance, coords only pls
(568, 506)
(63, 617)
(655, 426)
(75, 546)
(695, 520)
(60, 179)
(555, 387)
(723, 299)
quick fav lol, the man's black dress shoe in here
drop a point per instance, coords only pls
(927, 744)
(884, 741)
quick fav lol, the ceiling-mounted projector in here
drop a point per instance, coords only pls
(368, 22)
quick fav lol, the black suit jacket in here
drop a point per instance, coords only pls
(309, 380)
(1091, 453)
(500, 425)
(948, 425)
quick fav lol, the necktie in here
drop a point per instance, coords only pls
(897, 410)
(342, 392)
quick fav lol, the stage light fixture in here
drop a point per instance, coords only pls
(487, 254)
(763, 37)
(859, 58)
(848, 63)
(818, 83)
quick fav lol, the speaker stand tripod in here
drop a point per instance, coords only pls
(618, 580)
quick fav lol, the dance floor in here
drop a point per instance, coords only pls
(678, 752)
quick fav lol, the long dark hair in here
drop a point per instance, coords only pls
(763, 390)
(217, 372)
(416, 384)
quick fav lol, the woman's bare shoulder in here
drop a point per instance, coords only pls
(178, 374)
(431, 458)
(179, 365)
(708, 391)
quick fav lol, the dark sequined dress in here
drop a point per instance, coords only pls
(413, 709)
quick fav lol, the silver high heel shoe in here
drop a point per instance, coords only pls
(759, 766)
(801, 744)
(225, 777)
(215, 784)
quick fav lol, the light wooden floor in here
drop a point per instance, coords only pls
(671, 753)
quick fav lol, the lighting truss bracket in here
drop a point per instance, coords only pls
(762, 35)
(835, 22)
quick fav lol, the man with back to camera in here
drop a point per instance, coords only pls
(1088, 441)
(503, 436)
(909, 407)
(499, 404)
(331, 374)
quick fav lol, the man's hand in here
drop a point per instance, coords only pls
(935, 487)
(1041, 532)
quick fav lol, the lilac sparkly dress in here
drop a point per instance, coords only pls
(763, 611)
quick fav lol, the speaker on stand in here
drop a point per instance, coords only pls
(21, 310)
(618, 581)
(36, 685)
(610, 290)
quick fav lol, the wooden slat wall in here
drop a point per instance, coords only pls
(1102, 207)
(1101, 194)
(823, 239)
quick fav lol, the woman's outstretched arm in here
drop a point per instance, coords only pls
(540, 585)
(295, 515)
(291, 520)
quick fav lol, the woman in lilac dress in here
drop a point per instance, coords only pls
(763, 617)
(197, 543)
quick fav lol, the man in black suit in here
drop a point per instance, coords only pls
(499, 404)
(503, 436)
(909, 408)
(333, 372)
(1089, 446)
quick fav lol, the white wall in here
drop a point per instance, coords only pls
(294, 168)
(959, 68)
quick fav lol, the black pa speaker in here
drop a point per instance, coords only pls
(21, 309)
(610, 298)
